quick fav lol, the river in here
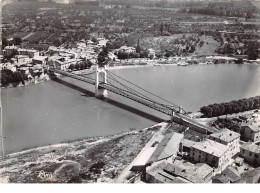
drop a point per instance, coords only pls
(51, 112)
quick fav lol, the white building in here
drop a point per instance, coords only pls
(29, 52)
(21, 60)
(228, 138)
(212, 153)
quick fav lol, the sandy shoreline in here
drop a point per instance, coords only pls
(88, 160)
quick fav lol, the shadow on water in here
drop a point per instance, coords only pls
(110, 101)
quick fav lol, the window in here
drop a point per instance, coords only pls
(256, 156)
(250, 153)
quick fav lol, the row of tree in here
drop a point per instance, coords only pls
(81, 65)
(8, 76)
(234, 106)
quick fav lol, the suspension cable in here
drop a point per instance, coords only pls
(144, 89)
(140, 94)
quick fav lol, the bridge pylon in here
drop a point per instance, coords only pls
(100, 92)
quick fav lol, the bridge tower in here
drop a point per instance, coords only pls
(100, 92)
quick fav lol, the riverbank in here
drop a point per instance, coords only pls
(89, 160)
(36, 80)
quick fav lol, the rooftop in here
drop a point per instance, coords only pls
(251, 147)
(167, 147)
(226, 135)
(232, 174)
(211, 147)
(221, 178)
(253, 127)
(10, 47)
(27, 50)
(180, 172)
(40, 58)
(193, 173)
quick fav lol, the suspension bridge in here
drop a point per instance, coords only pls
(106, 81)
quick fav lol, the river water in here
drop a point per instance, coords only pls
(51, 112)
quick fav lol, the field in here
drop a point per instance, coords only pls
(209, 47)
(204, 45)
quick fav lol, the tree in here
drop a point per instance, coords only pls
(17, 77)
(4, 42)
(105, 50)
(252, 51)
(161, 29)
(122, 55)
(89, 63)
(17, 41)
(235, 106)
(71, 67)
(5, 80)
(206, 110)
(82, 65)
(77, 66)
(94, 39)
(138, 48)
(101, 58)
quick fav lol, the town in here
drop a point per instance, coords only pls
(74, 36)
(47, 40)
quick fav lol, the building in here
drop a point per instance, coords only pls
(21, 60)
(251, 176)
(229, 175)
(127, 49)
(213, 153)
(250, 132)
(28, 52)
(151, 53)
(179, 172)
(40, 60)
(9, 51)
(228, 138)
(161, 149)
(251, 153)
(167, 148)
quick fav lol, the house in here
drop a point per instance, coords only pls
(21, 60)
(102, 42)
(220, 179)
(213, 153)
(232, 174)
(251, 153)
(251, 176)
(8, 66)
(228, 138)
(57, 64)
(151, 53)
(250, 131)
(10, 50)
(127, 49)
(29, 52)
(40, 60)
(179, 172)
